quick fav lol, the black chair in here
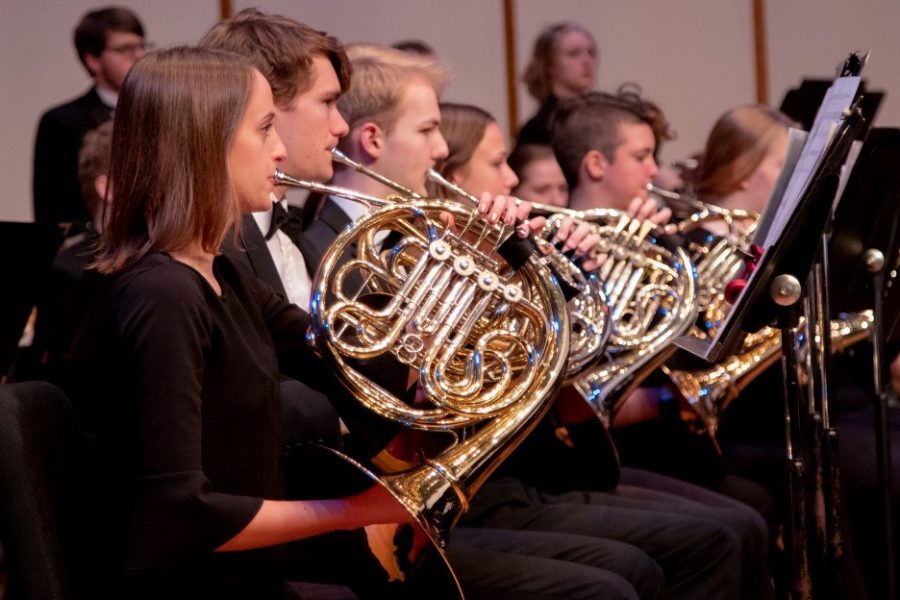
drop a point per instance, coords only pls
(45, 496)
(26, 256)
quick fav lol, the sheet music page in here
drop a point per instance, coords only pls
(838, 99)
(846, 170)
(796, 139)
(784, 201)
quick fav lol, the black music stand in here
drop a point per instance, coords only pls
(801, 103)
(866, 218)
(776, 296)
(26, 254)
(773, 294)
(867, 229)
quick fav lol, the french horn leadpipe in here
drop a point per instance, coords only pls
(589, 215)
(371, 202)
(321, 188)
(699, 211)
(449, 185)
(340, 157)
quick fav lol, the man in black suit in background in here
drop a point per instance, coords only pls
(109, 41)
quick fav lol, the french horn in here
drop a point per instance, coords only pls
(488, 343)
(652, 296)
(697, 212)
(709, 391)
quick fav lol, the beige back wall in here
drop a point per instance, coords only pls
(39, 69)
(694, 58)
(811, 37)
(692, 71)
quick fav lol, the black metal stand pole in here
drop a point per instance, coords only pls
(875, 263)
(786, 291)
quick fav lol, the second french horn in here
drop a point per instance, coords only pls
(589, 314)
(652, 296)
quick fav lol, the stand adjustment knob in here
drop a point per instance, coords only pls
(785, 290)
(874, 260)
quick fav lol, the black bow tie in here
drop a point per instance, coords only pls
(288, 221)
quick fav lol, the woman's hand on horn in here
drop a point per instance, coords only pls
(577, 239)
(506, 208)
(647, 209)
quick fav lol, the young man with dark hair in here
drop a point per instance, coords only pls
(108, 41)
(605, 145)
(308, 70)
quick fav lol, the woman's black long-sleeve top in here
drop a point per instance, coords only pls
(190, 422)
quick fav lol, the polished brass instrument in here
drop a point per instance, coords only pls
(589, 314)
(697, 212)
(490, 236)
(652, 297)
(488, 342)
(708, 392)
(405, 193)
(720, 261)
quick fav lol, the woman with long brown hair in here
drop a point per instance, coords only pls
(190, 344)
(744, 154)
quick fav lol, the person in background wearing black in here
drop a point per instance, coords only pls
(563, 64)
(60, 307)
(108, 42)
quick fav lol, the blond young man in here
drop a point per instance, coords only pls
(394, 117)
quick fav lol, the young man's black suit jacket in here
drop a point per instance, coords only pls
(321, 233)
(57, 196)
(307, 414)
